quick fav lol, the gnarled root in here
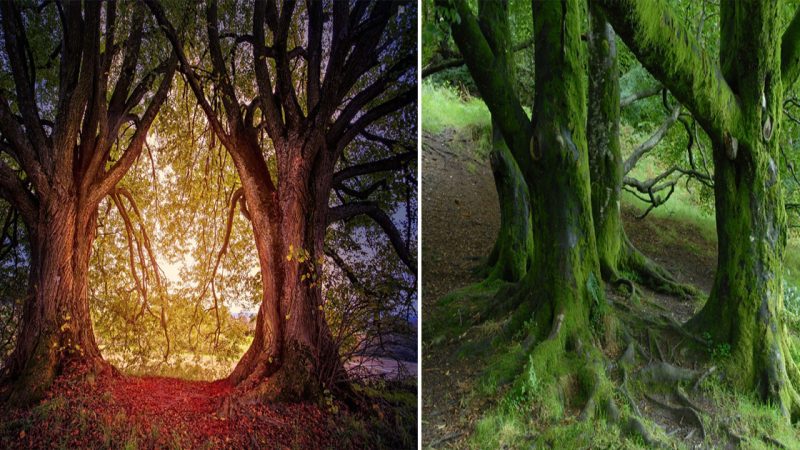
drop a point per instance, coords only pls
(634, 426)
(620, 281)
(663, 372)
(656, 277)
(680, 412)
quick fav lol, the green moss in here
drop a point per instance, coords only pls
(502, 369)
(457, 310)
(499, 429)
(669, 50)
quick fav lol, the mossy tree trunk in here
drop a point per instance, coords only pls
(605, 157)
(565, 274)
(739, 105)
(511, 255)
(615, 252)
(746, 302)
(562, 287)
(560, 304)
(512, 251)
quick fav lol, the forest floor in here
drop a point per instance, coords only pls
(460, 219)
(118, 411)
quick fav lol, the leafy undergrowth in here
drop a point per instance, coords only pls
(81, 411)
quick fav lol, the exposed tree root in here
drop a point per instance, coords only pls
(656, 277)
(736, 437)
(634, 426)
(668, 322)
(684, 399)
(624, 281)
(681, 412)
(772, 441)
(663, 372)
(702, 377)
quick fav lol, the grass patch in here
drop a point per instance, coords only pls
(443, 107)
(749, 418)
(681, 207)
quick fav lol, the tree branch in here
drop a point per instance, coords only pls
(390, 106)
(15, 43)
(188, 72)
(12, 189)
(222, 81)
(110, 179)
(269, 103)
(651, 142)
(636, 96)
(395, 162)
(450, 63)
(673, 56)
(492, 82)
(23, 152)
(371, 209)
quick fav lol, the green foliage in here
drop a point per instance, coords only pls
(719, 351)
(791, 303)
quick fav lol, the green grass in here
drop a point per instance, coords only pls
(443, 108)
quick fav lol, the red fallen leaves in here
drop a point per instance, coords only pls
(156, 412)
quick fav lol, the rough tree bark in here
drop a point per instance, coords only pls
(615, 252)
(511, 254)
(738, 103)
(293, 355)
(560, 302)
(510, 257)
(56, 170)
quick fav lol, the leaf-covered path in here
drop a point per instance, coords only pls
(157, 412)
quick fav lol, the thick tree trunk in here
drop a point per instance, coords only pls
(605, 157)
(564, 278)
(615, 252)
(746, 302)
(562, 288)
(745, 307)
(560, 303)
(56, 327)
(511, 255)
(293, 355)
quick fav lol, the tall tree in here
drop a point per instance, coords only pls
(320, 90)
(606, 165)
(560, 299)
(738, 102)
(511, 254)
(69, 134)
